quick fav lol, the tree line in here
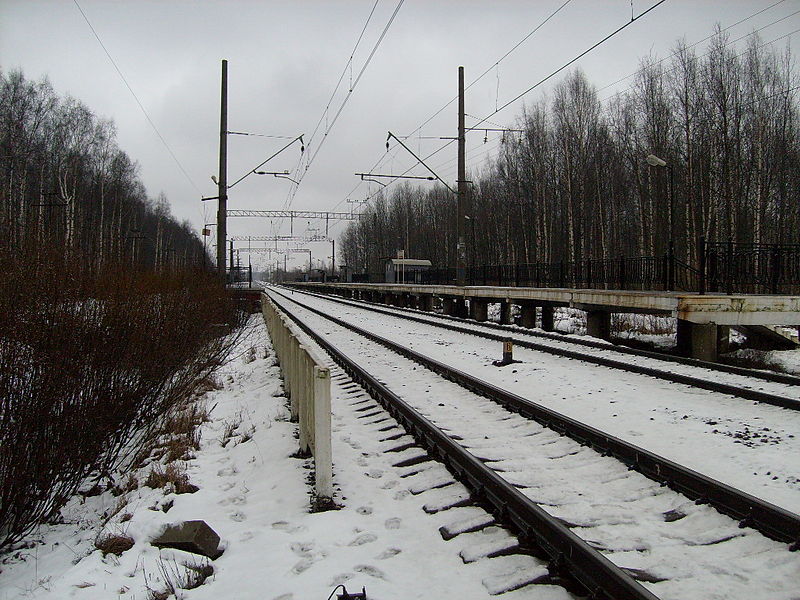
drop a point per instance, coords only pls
(575, 184)
(66, 184)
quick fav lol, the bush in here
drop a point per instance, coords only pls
(90, 366)
(113, 543)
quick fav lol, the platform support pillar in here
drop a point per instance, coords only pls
(449, 306)
(548, 318)
(528, 314)
(598, 324)
(505, 312)
(460, 308)
(478, 309)
(426, 303)
(704, 341)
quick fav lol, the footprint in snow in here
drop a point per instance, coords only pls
(374, 473)
(237, 500)
(302, 548)
(227, 472)
(284, 597)
(341, 578)
(228, 485)
(364, 538)
(370, 570)
(302, 566)
(388, 553)
(238, 516)
(389, 484)
(364, 510)
(400, 494)
(287, 527)
(393, 523)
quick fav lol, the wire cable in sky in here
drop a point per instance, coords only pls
(706, 39)
(135, 97)
(344, 102)
(554, 73)
(570, 62)
(347, 66)
(495, 64)
(473, 82)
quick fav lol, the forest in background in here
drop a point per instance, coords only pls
(575, 184)
(66, 184)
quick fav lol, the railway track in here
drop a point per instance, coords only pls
(534, 441)
(699, 374)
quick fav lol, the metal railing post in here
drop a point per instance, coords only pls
(671, 266)
(775, 269)
(729, 270)
(701, 255)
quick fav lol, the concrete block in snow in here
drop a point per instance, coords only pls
(191, 536)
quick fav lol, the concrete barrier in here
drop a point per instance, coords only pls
(307, 382)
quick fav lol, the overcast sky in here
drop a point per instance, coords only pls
(286, 57)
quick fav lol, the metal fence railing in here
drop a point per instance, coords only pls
(723, 268)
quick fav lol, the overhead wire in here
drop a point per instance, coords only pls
(739, 22)
(731, 42)
(473, 82)
(573, 60)
(554, 73)
(344, 72)
(136, 98)
(294, 189)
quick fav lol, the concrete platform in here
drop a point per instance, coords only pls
(719, 309)
(702, 319)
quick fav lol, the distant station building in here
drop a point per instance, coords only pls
(406, 270)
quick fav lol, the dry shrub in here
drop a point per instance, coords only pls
(130, 484)
(113, 543)
(185, 576)
(121, 503)
(173, 477)
(208, 384)
(229, 430)
(90, 365)
(247, 435)
(250, 355)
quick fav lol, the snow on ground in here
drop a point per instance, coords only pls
(752, 446)
(256, 497)
(700, 554)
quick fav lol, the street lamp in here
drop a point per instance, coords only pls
(655, 161)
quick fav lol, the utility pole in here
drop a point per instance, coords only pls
(462, 185)
(222, 182)
(333, 257)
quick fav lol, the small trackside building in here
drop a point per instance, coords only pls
(405, 270)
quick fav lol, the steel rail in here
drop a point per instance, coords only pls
(600, 577)
(769, 519)
(561, 337)
(758, 396)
